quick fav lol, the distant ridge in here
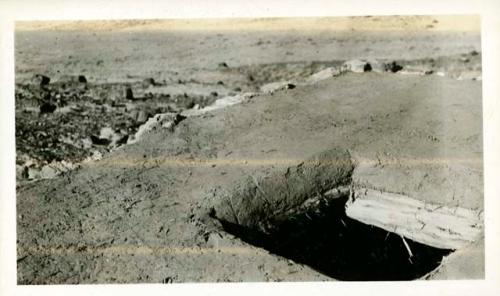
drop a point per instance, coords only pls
(359, 23)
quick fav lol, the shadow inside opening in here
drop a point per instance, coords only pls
(342, 248)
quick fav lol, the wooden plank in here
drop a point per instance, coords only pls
(435, 225)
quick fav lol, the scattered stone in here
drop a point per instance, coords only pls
(220, 83)
(178, 118)
(47, 107)
(48, 172)
(86, 143)
(129, 95)
(222, 65)
(378, 66)
(113, 138)
(98, 141)
(470, 75)
(82, 79)
(142, 116)
(465, 59)
(19, 172)
(216, 240)
(166, 120)
(474, 53)
(134, 114)
(214, 94)
(219, 104)
(167, 280)
(122, 140)
(96, 155)
(393, 67)
(276, 86)
(40, 80)
(129, 107)
(72, 79)
(324, 74)
(356, 66)
(106, 133)
(26, 160)
(189, 104)
(416, 70)
(148, 82)
(31, 173)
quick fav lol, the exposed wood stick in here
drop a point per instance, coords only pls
(407, 246)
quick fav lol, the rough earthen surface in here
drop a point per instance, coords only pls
(132, 217)
(151, 211)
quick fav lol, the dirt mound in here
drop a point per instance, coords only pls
(140, 215)
(261, 203)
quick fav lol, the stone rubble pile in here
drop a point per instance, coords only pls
(62, 122)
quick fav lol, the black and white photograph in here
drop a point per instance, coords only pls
(249, 149)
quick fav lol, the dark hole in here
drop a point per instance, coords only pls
(330, 242)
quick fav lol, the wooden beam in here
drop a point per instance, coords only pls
(435, 225)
